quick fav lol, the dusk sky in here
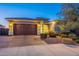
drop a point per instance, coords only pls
(31, 10)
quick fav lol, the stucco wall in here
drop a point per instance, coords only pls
(52, 26)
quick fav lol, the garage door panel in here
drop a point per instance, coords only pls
(25, 29)
(18, 29)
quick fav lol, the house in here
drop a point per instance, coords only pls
(27, 26)
(3, 30)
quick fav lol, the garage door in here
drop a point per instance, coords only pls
(25, 29)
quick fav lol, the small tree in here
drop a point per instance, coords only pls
(70, 14)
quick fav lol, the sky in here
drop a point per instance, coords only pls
(28, 10)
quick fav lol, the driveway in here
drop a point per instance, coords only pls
(13, 41)
(41, 50)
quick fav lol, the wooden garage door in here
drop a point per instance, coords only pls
(25, 29)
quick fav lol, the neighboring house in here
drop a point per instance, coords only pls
(27, 26)
(3, 30)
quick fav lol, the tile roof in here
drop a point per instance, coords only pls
(38, 18)
(21, 18)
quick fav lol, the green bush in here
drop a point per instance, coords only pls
(64, 35)
(51, 34)
(43, 35)
(71, 35)
(77, 41)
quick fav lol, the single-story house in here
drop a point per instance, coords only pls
(28, 26)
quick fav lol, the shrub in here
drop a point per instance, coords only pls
(43, 35)
(77, 40)
(73, 36)
(51, 34)
(64, 35)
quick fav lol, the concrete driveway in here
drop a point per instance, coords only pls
(34, 46)
(13, 41)
(41, 50)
